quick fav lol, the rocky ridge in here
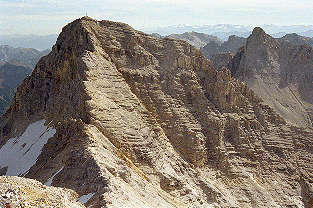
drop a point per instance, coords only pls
(230, 46)
(147, 122)
(196, 39)
(296, 39)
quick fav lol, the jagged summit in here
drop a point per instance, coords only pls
(279, 70)
(258, 31)
(129, 120)
(258, 36)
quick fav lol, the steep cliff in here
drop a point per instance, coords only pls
(129, 120)
(279, 72)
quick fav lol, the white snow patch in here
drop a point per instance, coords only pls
(19, 154)
(49, 182)
(84, 198)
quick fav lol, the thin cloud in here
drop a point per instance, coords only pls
(49, 16)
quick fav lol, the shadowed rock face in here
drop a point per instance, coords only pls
(15, 65)
(230, 46)
(279, 72)
(10, 77)
(147, 122)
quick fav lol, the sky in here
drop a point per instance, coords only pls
(44, 17)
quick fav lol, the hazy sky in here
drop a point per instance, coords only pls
(49, 16)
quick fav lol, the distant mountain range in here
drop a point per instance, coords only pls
(223, 31)
(196, 39)
(234, 42)
(21, 56)
(29, 41)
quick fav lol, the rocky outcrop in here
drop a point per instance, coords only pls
(129, 120)
(18, 192)
(196, 39)
(279, 72)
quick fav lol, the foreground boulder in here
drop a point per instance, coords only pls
(129, 120)
(16, 192)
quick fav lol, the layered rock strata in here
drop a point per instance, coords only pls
(147, 122)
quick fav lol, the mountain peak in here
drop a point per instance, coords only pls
(258, 31)
(259, 38)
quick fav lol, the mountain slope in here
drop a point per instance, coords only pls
(198, 40)
(21, 56)
(146, 122)
(15, 65)
(11, 76)
(279, 72)
(230, 46)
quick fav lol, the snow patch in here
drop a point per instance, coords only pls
(19, 154)
(84, 198)
(49, 182)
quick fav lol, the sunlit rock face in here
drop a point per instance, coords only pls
(18, 192)
(137, 121)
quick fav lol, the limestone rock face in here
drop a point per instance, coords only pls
(137, 121)
(16, 192)
(279, 72)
